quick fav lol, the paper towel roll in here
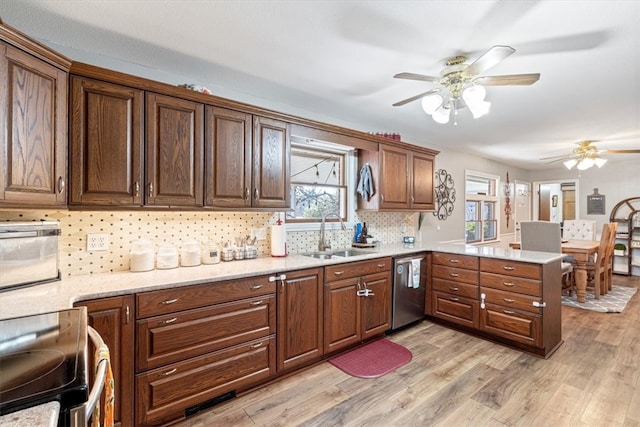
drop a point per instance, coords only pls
(278, 240)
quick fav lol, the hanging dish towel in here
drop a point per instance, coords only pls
(415, 273)
(365, 184)
(102, 353)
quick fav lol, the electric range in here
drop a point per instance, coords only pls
(43, 358)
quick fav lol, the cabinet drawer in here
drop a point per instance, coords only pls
(163, 394)
(511, 300)
(511, 268)
(456, 274)
(454, 288)
(459, 310)
(511, 284)
(515, 325)
(176, 299)
(454, 260)
(174, 337)
(355, 269)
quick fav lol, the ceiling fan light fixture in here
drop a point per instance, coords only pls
(480, 109)
(431, 103)
(600, 161)
(441, 115)
(585, 163)
(569, 164)
(474, 95)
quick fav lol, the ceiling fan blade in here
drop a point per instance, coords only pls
(420, 77)
(556, 158)
(416, 97)
(620, 151)
(490, 58)
(508, 80)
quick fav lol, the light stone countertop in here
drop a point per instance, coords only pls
(45, 415)
(63, 294)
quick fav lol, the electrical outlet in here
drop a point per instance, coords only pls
(97, 242)
(259, 233)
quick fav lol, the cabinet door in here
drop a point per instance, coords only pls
(174, 151)
(376, 308)
(394, 177)
(113, 319)
(422, 181)
(106, 143)
(515, 325)
(341, 314)
(300, 318)
(271, 152)
(33, 131)
(228, 158)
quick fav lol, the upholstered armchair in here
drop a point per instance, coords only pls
(579, 229)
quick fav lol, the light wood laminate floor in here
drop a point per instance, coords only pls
(457, 380)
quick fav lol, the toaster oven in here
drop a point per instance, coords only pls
(28, 253)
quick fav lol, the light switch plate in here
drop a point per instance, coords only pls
(97, 242)
(259, 233)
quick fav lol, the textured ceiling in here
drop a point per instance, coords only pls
(334, 61)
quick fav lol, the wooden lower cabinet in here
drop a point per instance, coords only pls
(351, 317)
(515, 325)
(300, 323)
(112, 318)
(163, 394)
(463, 311)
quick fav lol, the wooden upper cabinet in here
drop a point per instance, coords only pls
(402, 178)
(271, 164)
(106, 127)
(33, 131)
(174, 151)
(228, 158)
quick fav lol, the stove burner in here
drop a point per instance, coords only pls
(22, 368)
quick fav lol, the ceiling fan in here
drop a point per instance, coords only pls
(461, 85)
(585, 155)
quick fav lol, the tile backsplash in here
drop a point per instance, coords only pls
(176, 227)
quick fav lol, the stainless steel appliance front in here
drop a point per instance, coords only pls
(409, 288)
(28, 253)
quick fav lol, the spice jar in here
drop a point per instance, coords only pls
(210, 253)
(141, 255)
(190, 255)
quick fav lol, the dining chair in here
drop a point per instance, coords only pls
(612, 242)
(597, 270)
(579, 229)
(544, 236)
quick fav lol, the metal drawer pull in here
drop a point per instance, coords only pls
(509, 268)
(60, 184)
(509, 300)
(167, 322)
(338, 273)
(381, 265)
(509, 312)
(256, 345)
(169, 301)
(256, 287)
(454, 261)
(510, 284)
(136, 189)
(170, 372)
(454, 299)
(454, 274)
(256, 302)
(453, 288)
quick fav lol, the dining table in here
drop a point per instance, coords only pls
(581, 251)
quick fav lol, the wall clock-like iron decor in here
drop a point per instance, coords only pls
(445, 194)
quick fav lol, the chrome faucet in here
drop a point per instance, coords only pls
(322, 244)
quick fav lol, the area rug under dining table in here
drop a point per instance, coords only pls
(613, 302)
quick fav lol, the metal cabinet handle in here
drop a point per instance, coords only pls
(255, 193)
(454, 299)
(256, 302)
(256, 287)
(61, 184)
(246, 193)
(126, 315)
(454, 274)
(169, 321)
(509, 312)
(136, 189)
(169, 301)
(509, 284)
(172, 371)
(454, 289)
(151, 189)
(509, 300)
(454, 261)
(338, 273)
(509, 268)
(258, 345)
(381, 265)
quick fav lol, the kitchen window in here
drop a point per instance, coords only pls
(319, 183)
(482, 205)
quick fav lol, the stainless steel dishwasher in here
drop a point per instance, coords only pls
(409, 286)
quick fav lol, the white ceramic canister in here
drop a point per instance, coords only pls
(167, 257)
(190, 255)
(210, 253)
(141, 255)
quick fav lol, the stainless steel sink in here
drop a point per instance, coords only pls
(350, 252)
(319, 255)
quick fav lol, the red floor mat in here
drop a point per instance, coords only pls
(373, 360)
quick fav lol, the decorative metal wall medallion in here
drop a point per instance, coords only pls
(445, 194)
